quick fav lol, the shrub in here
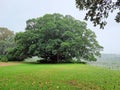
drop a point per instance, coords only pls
(4, 59)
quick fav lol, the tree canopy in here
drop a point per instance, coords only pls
(5, 33)
(98, 10)
(57, 38)
(6, 40)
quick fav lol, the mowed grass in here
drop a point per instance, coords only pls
(58, 77)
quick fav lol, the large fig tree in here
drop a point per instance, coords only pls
(57, 38)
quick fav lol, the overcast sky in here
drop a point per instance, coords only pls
(14, 13)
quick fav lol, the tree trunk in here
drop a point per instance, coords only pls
(58, 58)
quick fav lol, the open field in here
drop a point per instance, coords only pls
(110, 61)
(58, 77)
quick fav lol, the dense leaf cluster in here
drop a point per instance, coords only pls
(6, 40)
(56, 38)
(98, 10)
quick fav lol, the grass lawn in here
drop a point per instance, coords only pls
(58, 77)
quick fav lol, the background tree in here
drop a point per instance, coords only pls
(57, 38)
(98, 10)
(6, 41)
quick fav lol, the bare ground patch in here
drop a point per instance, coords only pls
(9, 63)
(83, 85)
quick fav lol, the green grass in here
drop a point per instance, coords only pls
(58, 77)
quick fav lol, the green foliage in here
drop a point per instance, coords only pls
(6, 40)
(12, 56)
(56, 38)
(98, 10)
(5, 33)
(3, 59)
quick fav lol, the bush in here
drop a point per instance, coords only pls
(15, 58)
(4, 59)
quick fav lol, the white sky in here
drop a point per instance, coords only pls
(14, 13)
